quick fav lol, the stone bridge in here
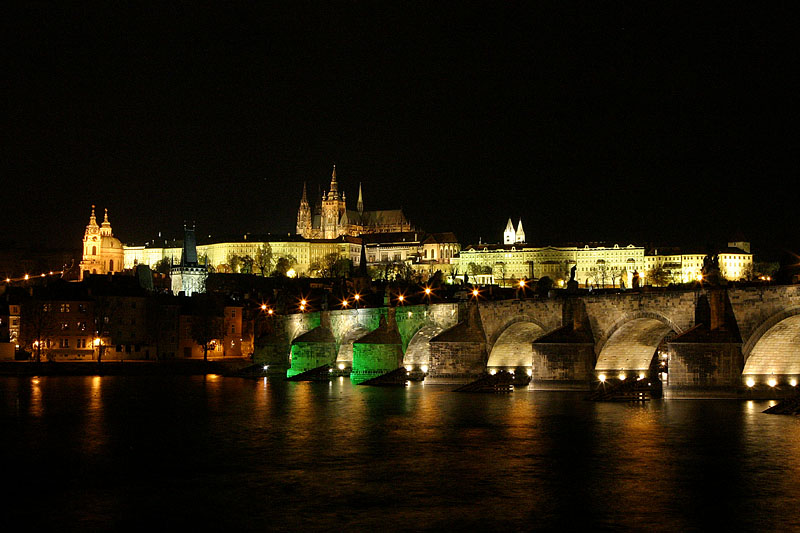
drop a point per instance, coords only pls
(708, 338)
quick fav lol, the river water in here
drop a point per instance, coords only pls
(174, 452)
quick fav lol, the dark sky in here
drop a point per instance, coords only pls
(653, 124)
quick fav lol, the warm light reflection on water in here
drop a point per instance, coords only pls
(267, 454)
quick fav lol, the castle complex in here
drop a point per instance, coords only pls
(330, 217)
(331, 229)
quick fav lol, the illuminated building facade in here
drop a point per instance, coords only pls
(102, 252)
(595, 266)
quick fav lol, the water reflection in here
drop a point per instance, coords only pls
(270, 454)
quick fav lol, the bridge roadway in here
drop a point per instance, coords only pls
(710, 339)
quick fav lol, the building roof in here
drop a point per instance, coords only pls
(376, 218)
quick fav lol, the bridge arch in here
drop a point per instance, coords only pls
(774, 347)
(418, 352)
(512, 345)
(345, 353)
(632, 341)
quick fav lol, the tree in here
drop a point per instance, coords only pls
(163, 266)
(615, 275)
(263, 260)
(206, 325)
(658, 275)
(342, 267)
(283, 265)
(105, 312)
(328, 264)
(234, 262)
(247, 264)
(38, 326)
(600, 273)
(436, 280)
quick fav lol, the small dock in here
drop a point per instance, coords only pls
(395, 378)
(787, 406)
(622, 391)
(500, 382)
(321, 373)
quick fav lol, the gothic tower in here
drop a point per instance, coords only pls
(333, 207)
(509, 236)
(304, 216)
(520, 235)
(189, 276)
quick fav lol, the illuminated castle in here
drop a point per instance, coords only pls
(330, 217)
(102, 252)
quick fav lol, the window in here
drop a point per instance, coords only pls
(65, 343)
(64, 326)
(65, 308)
(94, 250)
(233, 328)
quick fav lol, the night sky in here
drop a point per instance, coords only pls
(651, 125)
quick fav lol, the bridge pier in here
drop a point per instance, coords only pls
(458, 354)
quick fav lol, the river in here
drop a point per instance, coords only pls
(175, 452)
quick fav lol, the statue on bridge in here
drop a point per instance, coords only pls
(572, 285)
(635, 280)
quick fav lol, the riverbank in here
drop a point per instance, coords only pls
(228, 367)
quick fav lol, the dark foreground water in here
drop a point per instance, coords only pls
(88, 453)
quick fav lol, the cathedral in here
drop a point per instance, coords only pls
(102, 252)
(330, 217)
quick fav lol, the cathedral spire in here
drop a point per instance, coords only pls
(334, 192)
(509, 235)
(360, 204)
(304, 199)
(520, 236)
